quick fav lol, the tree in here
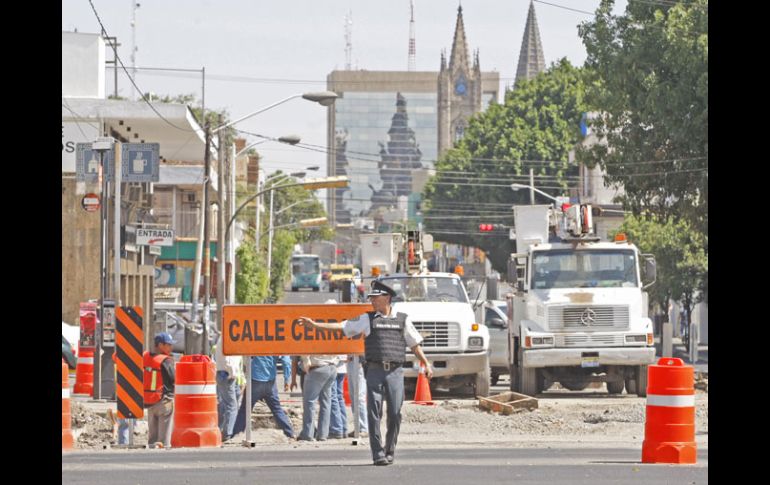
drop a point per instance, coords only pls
(251, 285)
(650, 85)
(536, 127)
(680, 254)
(283, 246)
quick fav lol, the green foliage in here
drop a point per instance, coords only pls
(540, 121)
(651, 88)
(283, 246)
(682, 261)
(251, 281)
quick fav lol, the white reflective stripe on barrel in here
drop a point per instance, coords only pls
(671, 401)
(86, 360)
(65, 393)
(195, 389)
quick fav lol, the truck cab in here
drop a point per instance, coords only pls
(456, 345)
(579, 315)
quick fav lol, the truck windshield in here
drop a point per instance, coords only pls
(584, 269)
(424, 288)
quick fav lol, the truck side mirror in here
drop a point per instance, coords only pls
(650, 270)
(497, 322)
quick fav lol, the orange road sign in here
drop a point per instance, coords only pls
(274, 329)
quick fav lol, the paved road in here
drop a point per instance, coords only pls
(352, 465)
(309, 296)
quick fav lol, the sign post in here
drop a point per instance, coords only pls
(275, 330)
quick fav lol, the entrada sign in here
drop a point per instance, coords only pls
(154, 237)
(275, 329)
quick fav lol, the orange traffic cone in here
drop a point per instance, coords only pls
(346, 391)
(422, 392)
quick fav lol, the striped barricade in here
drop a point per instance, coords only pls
(129, 347)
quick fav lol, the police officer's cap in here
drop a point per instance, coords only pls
(380, 288)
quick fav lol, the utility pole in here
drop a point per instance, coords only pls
(270, 241)
(116, 227)
(206, 241)
(134, 6)
(222, 195)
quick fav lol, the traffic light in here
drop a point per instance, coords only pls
(486, 227)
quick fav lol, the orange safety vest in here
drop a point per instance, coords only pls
(153, 377)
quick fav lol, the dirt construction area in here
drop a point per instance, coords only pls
(590, 418)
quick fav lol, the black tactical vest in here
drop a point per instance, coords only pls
(386, 342)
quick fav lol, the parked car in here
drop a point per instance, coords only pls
(72, 334)
(66, 353)
(493, 313)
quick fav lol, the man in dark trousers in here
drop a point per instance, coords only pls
(159, 391)
(387, 334)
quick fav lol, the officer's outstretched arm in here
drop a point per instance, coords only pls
(324, 325)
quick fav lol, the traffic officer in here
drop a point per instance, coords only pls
(159, 390)
(387, 334)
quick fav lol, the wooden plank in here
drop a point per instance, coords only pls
(507, 402)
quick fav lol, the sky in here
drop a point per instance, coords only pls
(256, 53)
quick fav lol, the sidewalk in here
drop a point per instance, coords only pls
(679, 351)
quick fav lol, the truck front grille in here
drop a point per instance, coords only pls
(589, 340)
(439, 335)
(588, 317)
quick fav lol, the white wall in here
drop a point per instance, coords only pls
(82, 65)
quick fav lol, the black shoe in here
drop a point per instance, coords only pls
(389, 458)
(381, 462)
(340, 436)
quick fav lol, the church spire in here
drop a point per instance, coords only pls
(459, 45)
(531, 58)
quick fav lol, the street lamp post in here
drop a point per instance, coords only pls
(100, 146)
(533, 189)
(325, 98)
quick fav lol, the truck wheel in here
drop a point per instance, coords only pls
(631, 385)
(528, 380)
(317, 289)
(615, 387)
(482, 383)
(641, 381)
(495, 378)
(293, 288)
(574, 385)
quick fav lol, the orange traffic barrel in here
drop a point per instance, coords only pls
(84, 375)
(66, 417)
(669, 427)
(195, 403)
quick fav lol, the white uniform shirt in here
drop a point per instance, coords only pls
(360, 324)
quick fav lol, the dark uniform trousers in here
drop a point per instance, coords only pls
(390, 385)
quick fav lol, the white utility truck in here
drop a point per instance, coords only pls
(578, 312)
(438, 305)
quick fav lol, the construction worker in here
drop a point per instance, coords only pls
(159, 391)
(387, 335)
